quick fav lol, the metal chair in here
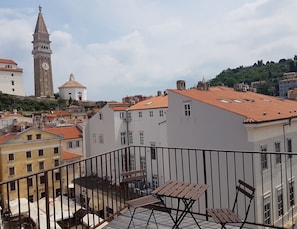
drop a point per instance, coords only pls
(224, 216)
(145, 201)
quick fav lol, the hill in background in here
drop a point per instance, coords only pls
(270, 72)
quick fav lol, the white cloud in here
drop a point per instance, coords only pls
(117, 48)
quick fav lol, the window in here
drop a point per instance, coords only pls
(153, 150)
(280, 202)
(57, 162)
(161, 113)
(58, 192)
(42, 179)
(29, 137)
(12, 186)
(11, 157)
(31, 198)
(264, 158)
(155, 182)
(70, 145)
(41, 165)
(291, 193)
(130, 137)
(28, 154)
(122, 115)
(141, 138)
(151, 113)
(57, 176)
(140, 114)
(30, 182)
(187, 109)
(77, 144)
(123, 138)
(128, 116)
(142, 162)
(289, 147)
(278, 157)
(11, 171)
(29, 167)
(132, 162)
(40, 152)
(56, 150)
(38, 136)
(101, 138)
(266, 208)
(100, 116)
(12, 82)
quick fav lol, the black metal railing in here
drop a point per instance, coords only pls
(90, 191)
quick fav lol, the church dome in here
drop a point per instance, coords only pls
(72, 83)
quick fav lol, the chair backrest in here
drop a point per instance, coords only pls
(248, 191)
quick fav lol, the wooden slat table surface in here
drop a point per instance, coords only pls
(181, 190)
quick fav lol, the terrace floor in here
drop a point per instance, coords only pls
(163, 220)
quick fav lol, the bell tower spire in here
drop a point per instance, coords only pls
(43, 80)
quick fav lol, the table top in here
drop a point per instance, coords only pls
(182, 190)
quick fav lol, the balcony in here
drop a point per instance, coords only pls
(90, 193)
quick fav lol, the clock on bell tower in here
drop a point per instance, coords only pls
(43, 80)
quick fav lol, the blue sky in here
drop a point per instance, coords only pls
(126, 47)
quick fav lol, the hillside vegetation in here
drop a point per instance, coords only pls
(270, 72)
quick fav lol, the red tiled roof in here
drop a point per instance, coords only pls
(117, 106)
(253, 106)
(7, 137)
(69, 132)
(68, 155)
(151, 103)
(7, 61)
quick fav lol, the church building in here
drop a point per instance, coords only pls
(43, 79)
(73, 89)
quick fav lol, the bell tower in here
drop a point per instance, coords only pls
(43, 80)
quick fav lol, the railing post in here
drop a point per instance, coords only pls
(205, 182)
(47, 209)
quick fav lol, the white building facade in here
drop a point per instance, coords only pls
(11, 78)
(223, 119)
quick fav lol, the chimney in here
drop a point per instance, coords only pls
(181, 85)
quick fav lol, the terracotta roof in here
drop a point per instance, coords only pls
(151, 103)
(68, 155)
(117, 106)
(69, 132)
(253, 106)
(7, 137)
(7, 61)
(6, 115)
(72, 83)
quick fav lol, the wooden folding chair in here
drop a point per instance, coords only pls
(224, 216)
(145, 201)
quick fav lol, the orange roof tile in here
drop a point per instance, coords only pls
(117, 106)
(151, 103)
(7, 61)
(253, 106)
(69, 132)
(7, 137)
(68, 155)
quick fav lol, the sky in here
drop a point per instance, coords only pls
(119, 48)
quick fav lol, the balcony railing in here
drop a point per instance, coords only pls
(90, 191)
